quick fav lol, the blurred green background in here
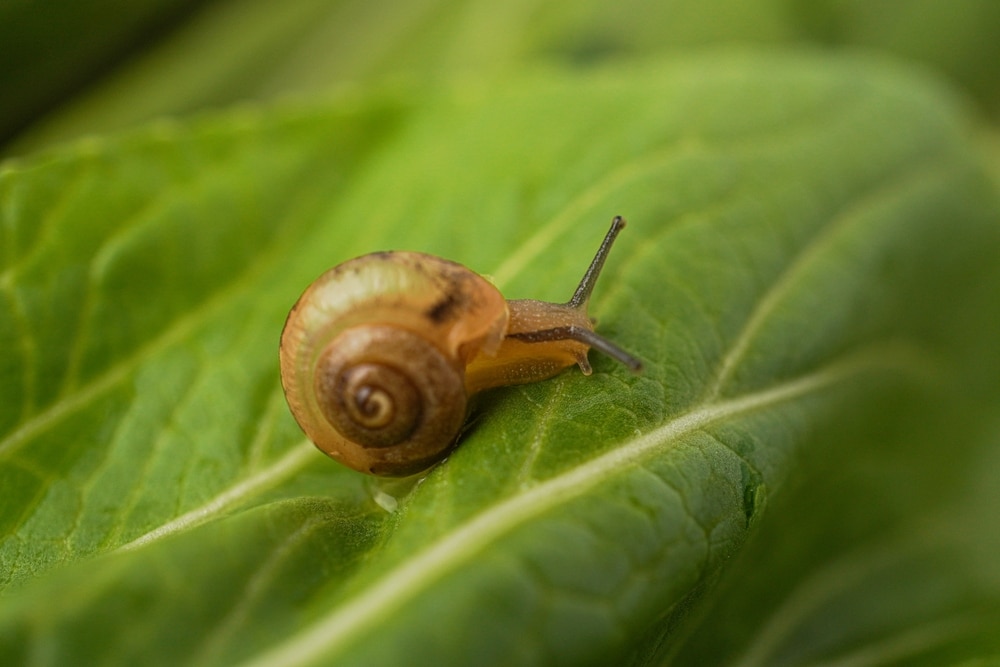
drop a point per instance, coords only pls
(74, 68)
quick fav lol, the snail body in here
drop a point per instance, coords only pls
(380, 354)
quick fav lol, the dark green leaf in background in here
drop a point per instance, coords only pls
(230, 51)
(51, 51)
(805, 474)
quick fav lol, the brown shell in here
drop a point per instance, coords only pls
(395, 330)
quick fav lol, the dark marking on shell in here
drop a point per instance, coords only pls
(446, 308)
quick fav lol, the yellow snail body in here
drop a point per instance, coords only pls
(380, 354)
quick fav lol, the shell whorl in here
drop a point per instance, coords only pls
(394, 398)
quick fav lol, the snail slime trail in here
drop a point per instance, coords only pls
(380, 354)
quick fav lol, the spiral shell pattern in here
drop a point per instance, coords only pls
(393, 396)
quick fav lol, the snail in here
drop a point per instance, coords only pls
(381, 353)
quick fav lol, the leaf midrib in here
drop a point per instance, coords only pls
(334, 632)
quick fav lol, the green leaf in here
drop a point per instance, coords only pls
(809, 237)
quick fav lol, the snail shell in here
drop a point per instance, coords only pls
(380, 354)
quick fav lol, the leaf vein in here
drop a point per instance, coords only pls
(335, 631)
(182, 327)
(253, 591)
(576, 209)
(29, 348)
(56, 210)
(292, 462)
(897, 184)
(101, 258)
